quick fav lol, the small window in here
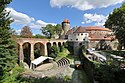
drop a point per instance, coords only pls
(71, 39)
(81, 33)
(78, 34)
(76, 39)
(85, 34)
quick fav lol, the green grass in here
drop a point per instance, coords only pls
(65, 53)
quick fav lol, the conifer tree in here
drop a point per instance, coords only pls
(8, 57)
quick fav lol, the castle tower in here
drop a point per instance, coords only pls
(65, 26)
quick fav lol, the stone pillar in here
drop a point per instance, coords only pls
(21, 56)
(57, 44)
(45, 50)
(51, 44)
(32, 52)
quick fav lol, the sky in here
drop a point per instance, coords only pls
(39, 13)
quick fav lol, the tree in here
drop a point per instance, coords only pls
(26, 32)
(54, 51)
(8, 56)
(59, 30)
(48, 30)
(39, 36)
(3, 4)
(116, 22)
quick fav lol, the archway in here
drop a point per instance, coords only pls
(54, 43)
(26, 52)
(59, 46)
(38, 50)
(48, 48)
(63, 43)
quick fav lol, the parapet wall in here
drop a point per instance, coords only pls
(104, 44)
(99, 45)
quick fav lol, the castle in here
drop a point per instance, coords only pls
(95, 35)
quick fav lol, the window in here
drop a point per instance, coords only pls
(81, 33)
(78, 34)
(70, 39)
(76, 39)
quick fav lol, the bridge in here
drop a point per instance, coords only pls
(45, 43)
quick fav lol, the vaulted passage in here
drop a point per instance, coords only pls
(59, 46)
(48, 48)
(26, 52)
(38, 50)
(32, 48)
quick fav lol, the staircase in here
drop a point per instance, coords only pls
(63, 62)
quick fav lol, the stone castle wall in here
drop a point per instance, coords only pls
(99, 45)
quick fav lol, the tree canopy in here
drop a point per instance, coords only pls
(51, 30)
(26, 32)
(58, 30)
(116, 22)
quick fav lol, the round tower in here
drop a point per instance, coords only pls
(65, 26)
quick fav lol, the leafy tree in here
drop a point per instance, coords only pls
(3, 4)
(39, 36)
(51, 30)
(109, 73)
(116, 22)
(54, 51)
(8, 57)
(59, 30)
(48, 30)
(26, 32)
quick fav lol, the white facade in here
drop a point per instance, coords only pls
(77, 36)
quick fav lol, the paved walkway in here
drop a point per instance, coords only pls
(44, 67)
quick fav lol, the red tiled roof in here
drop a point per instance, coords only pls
(95, 37)
(66, 20)
(80, 30)
(97, 28)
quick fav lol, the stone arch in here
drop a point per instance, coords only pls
(63, 43)
(59, 46)
(54, 43)
(38, 49)
(26, 52)
(48, 48)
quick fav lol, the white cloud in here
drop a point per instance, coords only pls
(98, 19)
(84, 4)
(19, 18)
(42, 23)
(24, 19)
(38, 24)
(18, 31)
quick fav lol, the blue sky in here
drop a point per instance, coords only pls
(37, 13)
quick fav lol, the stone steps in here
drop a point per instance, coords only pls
(63, 62)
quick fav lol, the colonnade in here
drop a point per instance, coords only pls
(32, 44)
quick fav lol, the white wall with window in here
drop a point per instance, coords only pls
(77, 36)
